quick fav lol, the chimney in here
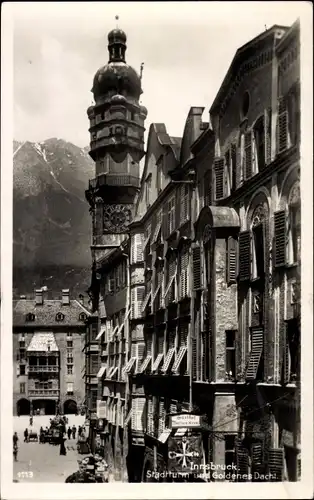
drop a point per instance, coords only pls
(39, 297)
(81, 299)
(65, 297)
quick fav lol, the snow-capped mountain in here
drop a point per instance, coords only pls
(51, 221)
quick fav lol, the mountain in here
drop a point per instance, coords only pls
(51, 220)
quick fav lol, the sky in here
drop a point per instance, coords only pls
(186, 47)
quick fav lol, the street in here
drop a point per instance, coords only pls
(42, 462)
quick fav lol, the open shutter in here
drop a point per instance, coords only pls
(285, 376)
(150, 421)
(267, 132)
(239, 164)
(244, 255)
(194, 358)
(248, 154)
(257, 455)
(276, 461)
(139, 247)
(282, 125)
(256, 353)
(242, 459)
(208, 188)
(280, 238)
(219, 178)
(232, 260)
(233, 167)
(162, 416)
(197, 282)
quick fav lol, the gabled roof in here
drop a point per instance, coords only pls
(241, 54)
(45, 314)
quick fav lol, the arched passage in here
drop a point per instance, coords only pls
(69, 407)
(23, 407)
(44, 406)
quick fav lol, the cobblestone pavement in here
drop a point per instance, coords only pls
(42, 462)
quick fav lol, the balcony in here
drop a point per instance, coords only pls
(44, 393)
(114, 180)
(43, 368)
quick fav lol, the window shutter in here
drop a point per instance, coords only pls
(133, 350)
(166, 221)
(138, 406)
(140, 351)
(172, 339)
(232, 260)
(207, 188)
(162, 416)
(139, 247)
(219, 178)
(276, 460)
(197, 281)
(204, 359)
(238, 177)
(194, 358)
(18, 370)
(267, 132)
(233, 167)
(248, 154)
(256, 353)
(244, 255)
(184, 332)
(184, 261)
(150, 421)
(282, 125)
(286, 360)
(257, 454)
(280, 238)
(242, 459)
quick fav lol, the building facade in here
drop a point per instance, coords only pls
(48, 362)
(199, 301)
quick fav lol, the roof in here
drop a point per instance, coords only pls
(45, 314)
(240, 54)
(41, 341)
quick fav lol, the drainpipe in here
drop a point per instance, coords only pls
(192, 323)
(127, 335)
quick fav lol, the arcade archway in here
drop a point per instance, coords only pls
(23, 407)
(69, 407)
(44, 406)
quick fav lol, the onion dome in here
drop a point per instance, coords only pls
(117, 76)
(117, 36)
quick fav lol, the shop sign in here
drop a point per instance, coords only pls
(185, 420)
(185, 453)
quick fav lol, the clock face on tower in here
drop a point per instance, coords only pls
(117, 218)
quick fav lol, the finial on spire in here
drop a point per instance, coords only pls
(117, 19)
(141, 71)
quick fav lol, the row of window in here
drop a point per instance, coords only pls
(176, 210)
(59, 317)
(44, 386)
(116, 279)
(252, 153)
(162, 354)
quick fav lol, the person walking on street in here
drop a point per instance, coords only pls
(31, 421)
(80, 431)
(26, 435)
(63, 450)
(15, 446)
(74, 431)
(69, 432)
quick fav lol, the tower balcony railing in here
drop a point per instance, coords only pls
(43, 392)
(114, 180)
(43, 368)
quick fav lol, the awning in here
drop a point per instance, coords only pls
(168, 359)
(101, 372)
(145, 364)
(43, 342)
(128, 418)
(179, 359)
(157, 362)
(101, 331)
(112, 372)
(164, 436)
(181, 431)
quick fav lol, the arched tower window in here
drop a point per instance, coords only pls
(294, 225)
(258, 241)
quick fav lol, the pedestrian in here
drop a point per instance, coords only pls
(69, 432)
(15, 438)
(80, 431)
(63, 450)
(31, 421)
(74, 431)
(26, 435)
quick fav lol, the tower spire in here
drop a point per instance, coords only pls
(117, 19)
